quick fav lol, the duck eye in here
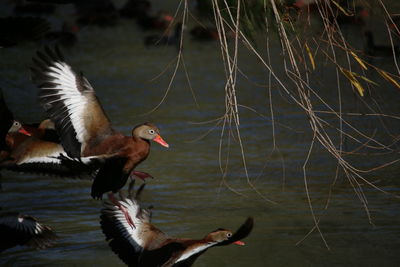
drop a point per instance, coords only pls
(228, 234)
(151, 131)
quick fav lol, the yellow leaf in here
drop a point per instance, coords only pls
(368, 80)
(363, 77)
(388, 78)
(359, 60)
(310, 56)
(353, 80)
(358, 86)
(346, 73)
(342, 9)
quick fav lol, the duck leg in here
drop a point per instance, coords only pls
(140, 175)
(115, 201)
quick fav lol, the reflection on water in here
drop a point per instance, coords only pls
(189, 197)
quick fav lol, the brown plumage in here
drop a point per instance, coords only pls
(30, 153)
(34, 147)
(8, 125)
(44, 130)
(146, 245)
(83, 127)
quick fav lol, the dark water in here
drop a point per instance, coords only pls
(188, 193)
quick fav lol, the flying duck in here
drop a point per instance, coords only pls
(34, 148)
(84, 129)
(146, 245)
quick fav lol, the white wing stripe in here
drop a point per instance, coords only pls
(40, 160)
(132, 234)
(48, 158)
(188, 253)
(67, 93)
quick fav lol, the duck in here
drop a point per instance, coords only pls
(165, 39)
(146, 245)
(34, 148)
(7, 125)
(84, 129)
(24, 230)
(25, 151)
(378, 50)
(7, 141)
(44, 130)
(33, 155)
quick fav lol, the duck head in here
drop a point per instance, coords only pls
(16, 127)
(222, 236)
(149, 131)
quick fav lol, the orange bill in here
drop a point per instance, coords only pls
(23, 131)
(161, 141)
(240, 243)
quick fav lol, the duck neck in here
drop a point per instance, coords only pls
(194, 249)
(141, 140)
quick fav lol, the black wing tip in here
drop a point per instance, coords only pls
(241, 233)
(25, 230)
(118, 242)
(41, 62)
(44, 58)
(245, 229)
(108, 224)
(52, 51)
(97, 190)
(96, 194)
(42, 74)
(46, 238)
(110, 177)
(249, 222)
(47, 169)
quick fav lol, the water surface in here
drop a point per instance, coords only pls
(188, 194)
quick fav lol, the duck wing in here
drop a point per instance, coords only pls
(110, 177)
(38, 156)
(17, 229)
(131, 244)
(70, 101)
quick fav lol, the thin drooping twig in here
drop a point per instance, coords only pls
(178, 58)
(296, 85)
